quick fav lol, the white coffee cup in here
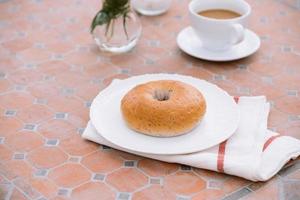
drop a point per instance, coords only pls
(219, 34)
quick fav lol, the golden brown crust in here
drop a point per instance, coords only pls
(144, 113)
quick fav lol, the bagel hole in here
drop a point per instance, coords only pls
(162, 95)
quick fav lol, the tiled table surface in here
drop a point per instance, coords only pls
(50, 70)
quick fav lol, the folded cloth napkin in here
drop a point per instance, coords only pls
(252, 152)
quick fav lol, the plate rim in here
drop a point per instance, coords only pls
(158, 75)
(184, 49)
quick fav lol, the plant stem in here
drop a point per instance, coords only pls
(124, 25)
(111, 10)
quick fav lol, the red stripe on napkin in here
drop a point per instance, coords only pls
(222, 148)
(269, 141)
(221, 155)
(236, 99)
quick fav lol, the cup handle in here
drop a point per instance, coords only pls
(239, 33)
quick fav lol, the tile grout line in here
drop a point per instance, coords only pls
(248, 190)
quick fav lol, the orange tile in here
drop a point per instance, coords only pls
(47, 157)
(77, 146)
(151, 52)
(127, 179)
(276, 117)
(127, 61)
(24, 141)
(2, 179)
(2, 110)
(68, 3)
(35, 114)
(17, 45)
(69, 175)
(210, 175)
(154, 192)
(88, 91)
(26, 188)
(219, 67)
(65, 103)
(9, 125)
(184, 183)
(100, 70)
(102, 161)
(81, 58)
(21, 24)
(42, 36)
(6, 190)
(157, 168)
(270, 92)
(44, 90)
(71, 79)
(287, 59)
(271, 189)
(53, 67)
(60, 198)
(233, 184)
(5, 153)
(16, 168)
(244, 79)
(79, 118)
(6, 34)
(197, 72)
(171, 64)
(33, 55)
(16, 194)
(5, 85)
(20, 100)
(60, 47)
(209, 194)
(266, 69)
(51, 19)
(128, 156)
(25, 76)
(290, 129)
(47, 188)
(288, 104)
(228, 86)
(108, 80)
(145, 69)
(93, 191)
(8, 64)
(57, 129)
(287, 80)
(83, 39)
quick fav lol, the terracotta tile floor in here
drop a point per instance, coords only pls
(50, 70)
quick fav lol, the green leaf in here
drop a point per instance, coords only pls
(111, 9)
(100, 19)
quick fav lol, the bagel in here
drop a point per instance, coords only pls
(163, 108)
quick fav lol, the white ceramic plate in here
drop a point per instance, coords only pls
(219, 123)
(190, 44)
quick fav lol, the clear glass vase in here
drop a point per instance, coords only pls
(120, 35)
(151, 7)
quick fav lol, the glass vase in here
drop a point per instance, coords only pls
(151, 7)
(120, 35)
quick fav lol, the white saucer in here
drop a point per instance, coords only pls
(219, 123)
(190, 44)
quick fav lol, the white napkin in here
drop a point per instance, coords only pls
(253, 152)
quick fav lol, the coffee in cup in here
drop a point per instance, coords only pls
(219, 14)
(219, 24)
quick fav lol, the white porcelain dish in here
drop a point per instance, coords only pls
(219, 123)
(190, 44)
